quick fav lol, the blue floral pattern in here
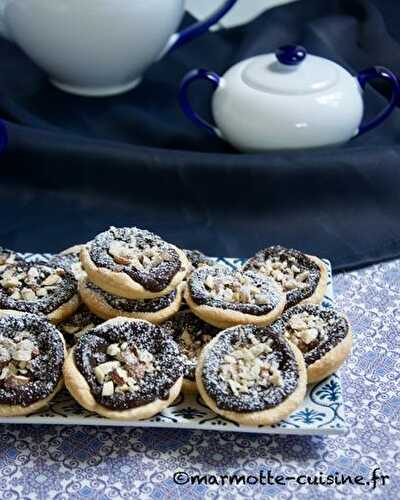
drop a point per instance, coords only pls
(65, 462)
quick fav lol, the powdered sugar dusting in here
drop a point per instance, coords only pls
(293, 270)
(259, 395)
(191, 334)
(168, 364)
(153, 275)
(198, 259)
(42, 369)
(35, 288)
(81, 322)
(225, 288)
(314, 329)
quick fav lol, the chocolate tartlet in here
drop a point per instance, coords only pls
(38, 289)
(125, 369)
(8, 257)
(198, 259)
(191, 334)
(322, 335)
(134, 263)
(302, 277)
(107, 305)
(251, 375)
(225, 297)
(81, 322)
(69, 260)
(32, 353)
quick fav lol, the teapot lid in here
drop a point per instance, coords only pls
(290, 71)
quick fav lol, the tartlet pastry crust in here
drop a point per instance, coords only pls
(101, 308)
(257, 418)
(223, 314)
(7, 410)
(80, 390)
(325, 345)
(331, 361)
(121, 284)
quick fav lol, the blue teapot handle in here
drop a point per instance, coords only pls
(371, 74)
(199, 28)
(192, 76)
(3, 136)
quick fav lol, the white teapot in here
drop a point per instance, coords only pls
(287, 100)
(99, 47)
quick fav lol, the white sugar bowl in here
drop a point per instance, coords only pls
(287, 100)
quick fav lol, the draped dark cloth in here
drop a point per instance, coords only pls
(76, 165)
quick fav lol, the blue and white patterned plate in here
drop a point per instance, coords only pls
(321, 413)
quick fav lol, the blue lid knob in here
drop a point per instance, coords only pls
(291, 55)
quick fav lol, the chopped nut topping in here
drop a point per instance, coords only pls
(286, 272)
(248, 366)
(129, 254)
(108, 388)
(28, 294)
(15, 359)
(303, 329)
(128, 367)
(29, 284)
(235, 287)
(51, 280)
(15, 380)
(7, 257)
(10, 282)
(113, 349)
(104, 369)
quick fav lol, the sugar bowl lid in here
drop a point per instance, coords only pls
(290, 71)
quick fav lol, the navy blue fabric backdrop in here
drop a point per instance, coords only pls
(75, 165)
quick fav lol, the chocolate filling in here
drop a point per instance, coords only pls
(290, 258)
(79, 323)
(258, 397)
(130, 305)
(198, 259)
(317, 339)
(92, 350)
(40, 376)
(156, 278)
(69, 261)
(191, 334)
(258, 297)
(28, 280)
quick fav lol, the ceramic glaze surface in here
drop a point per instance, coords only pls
(101, 48)
(261, 105)
(288, 100)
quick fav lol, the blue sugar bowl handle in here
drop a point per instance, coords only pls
(199, 28)
(372, 74)
(192, 76)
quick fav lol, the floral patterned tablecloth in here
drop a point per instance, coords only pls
(74, 462)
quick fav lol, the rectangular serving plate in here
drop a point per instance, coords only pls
(321, 413)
